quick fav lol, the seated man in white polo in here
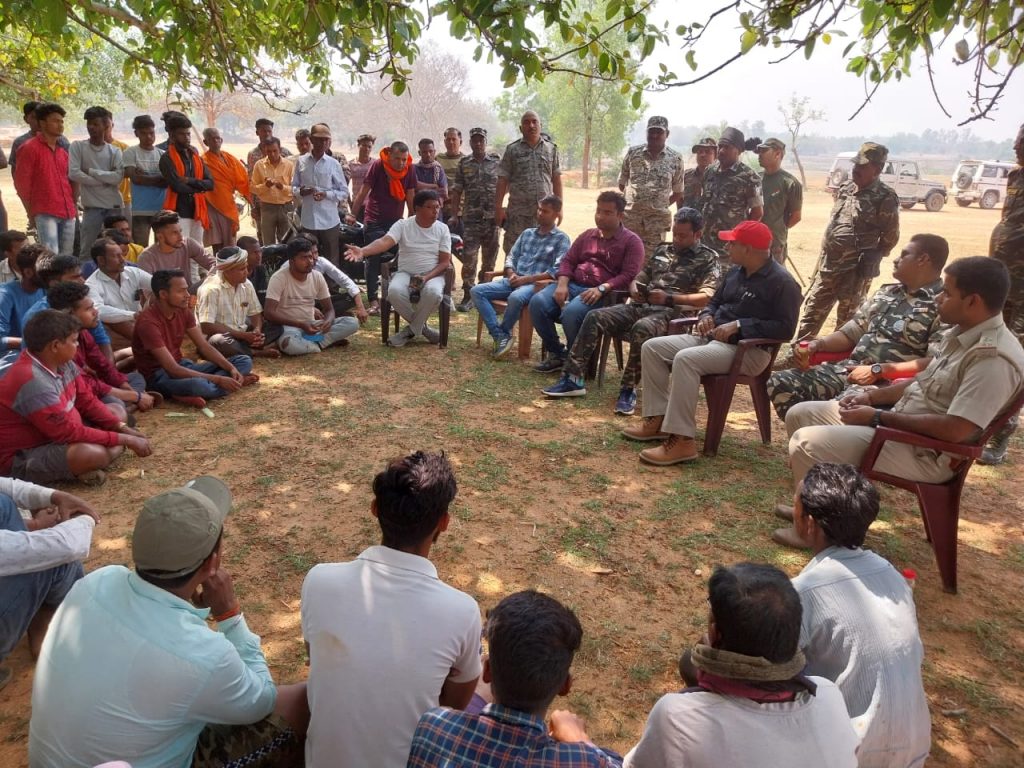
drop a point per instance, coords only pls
(424, 253)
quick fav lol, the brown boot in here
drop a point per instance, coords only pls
(649, 429)
(675, 450)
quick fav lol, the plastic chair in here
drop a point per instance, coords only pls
(939, 502)
(444, 311)
(719, 389)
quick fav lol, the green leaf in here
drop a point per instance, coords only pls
(604, 62)
(614, 6)
(748, 41)
(809, 46)
(691, 60)
(941, 8)
(398, 87)
(637, 99)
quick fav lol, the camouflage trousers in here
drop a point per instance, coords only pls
(1013, 310)
(835, 280)
(270, 743)
(516, 221)
(650, 224)
(635, 323)
(819, 382)
(478, 235)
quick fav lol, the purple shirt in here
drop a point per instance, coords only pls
(380, 206)
(593, 259)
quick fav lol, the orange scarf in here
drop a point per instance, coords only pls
(396, 186)
(171, 201)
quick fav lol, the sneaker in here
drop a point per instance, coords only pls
(551, 364)
(502, 347)
(401, 338)
(565, 388)
(626, 404)
(431, 335)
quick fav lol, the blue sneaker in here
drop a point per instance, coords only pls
(626, 404)
(565, 388)
(502, 347)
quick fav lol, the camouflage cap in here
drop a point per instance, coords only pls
(478, 132)
(733, 136)
(366, 137)
(658, 122)
(870, 152)
(705, 143)
(771, 144)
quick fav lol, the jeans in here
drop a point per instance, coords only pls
(544, 312)
(22, 595)
(56, 234)
(92, 225)
(292, 342)
(374, 231)
(195, 386)
(500, 290)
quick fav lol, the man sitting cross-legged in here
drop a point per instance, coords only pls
(678, 277)
(535, 256)
(757, 299)
(16, 298)
(890, 331)
(45, 404)
(602, 259)
(859, 621)
(750, 699)
(388, 639)
(425, 252)
(120, 392)
(229, 312)
(119, 289)
(293, 295)
(531, 641)
(159, 332)
(976, 373)
(130, 667)
(40, 559)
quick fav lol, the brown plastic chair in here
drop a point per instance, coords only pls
(444, 311)
(719, 389)
(525, 324)
(939, 502)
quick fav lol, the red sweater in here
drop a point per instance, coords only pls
(100, 374)
(40, 406)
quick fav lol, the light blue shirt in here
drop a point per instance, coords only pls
(130, 671)
(324, 175)
(534, 252)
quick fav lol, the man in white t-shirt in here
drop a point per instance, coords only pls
(859, 620)
(294, 294)
(751, 700)
(424, 253)
(387, 639)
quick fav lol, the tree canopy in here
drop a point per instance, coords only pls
(260, 45)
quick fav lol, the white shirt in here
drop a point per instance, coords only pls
(384, 634)
(29, 552)
(418, 248)
(860, 630)
(118, 302)
(700, 729)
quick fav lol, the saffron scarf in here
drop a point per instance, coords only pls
(396, 185)
(171, 200)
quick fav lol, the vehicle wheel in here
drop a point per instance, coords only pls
(963, 181)
(989, 199)
(907, 206)
(963, 203)
(934, 202)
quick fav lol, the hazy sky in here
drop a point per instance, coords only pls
(751, 88)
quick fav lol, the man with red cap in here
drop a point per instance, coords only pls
(757, 299)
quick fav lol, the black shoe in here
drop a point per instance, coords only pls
(998, 445)
(465, 305)
(550, 364)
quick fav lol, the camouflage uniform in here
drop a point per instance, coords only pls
(478, 182)
(450, 166)
(782, 195)
(530, 172)
(269, 743)
(728, 195)
(1007, 245)
(653, 182)
(892, 326)
(695, 270)
(863, 227)
(693, 185)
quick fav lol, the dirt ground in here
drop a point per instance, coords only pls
(551, 497)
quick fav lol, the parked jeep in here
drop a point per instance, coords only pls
(980, 181)
(900, 174)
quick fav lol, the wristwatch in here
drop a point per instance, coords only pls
(601, 288)
(876, 369)
(876, 420)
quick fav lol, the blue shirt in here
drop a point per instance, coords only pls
(324, 175)
(99, 333)
(15, 303)
(128, 669)
(498, 737)
(534, 252)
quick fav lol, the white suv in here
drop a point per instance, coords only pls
(980, 181)
(900, 174)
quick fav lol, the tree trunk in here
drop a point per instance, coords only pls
(588, 130)
(800, 167)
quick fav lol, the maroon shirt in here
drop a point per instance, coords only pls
(153, 330)
(593, 259)
(380, 205)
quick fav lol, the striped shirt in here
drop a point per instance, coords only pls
(220, 302)
(535, 252)
(498, 737)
